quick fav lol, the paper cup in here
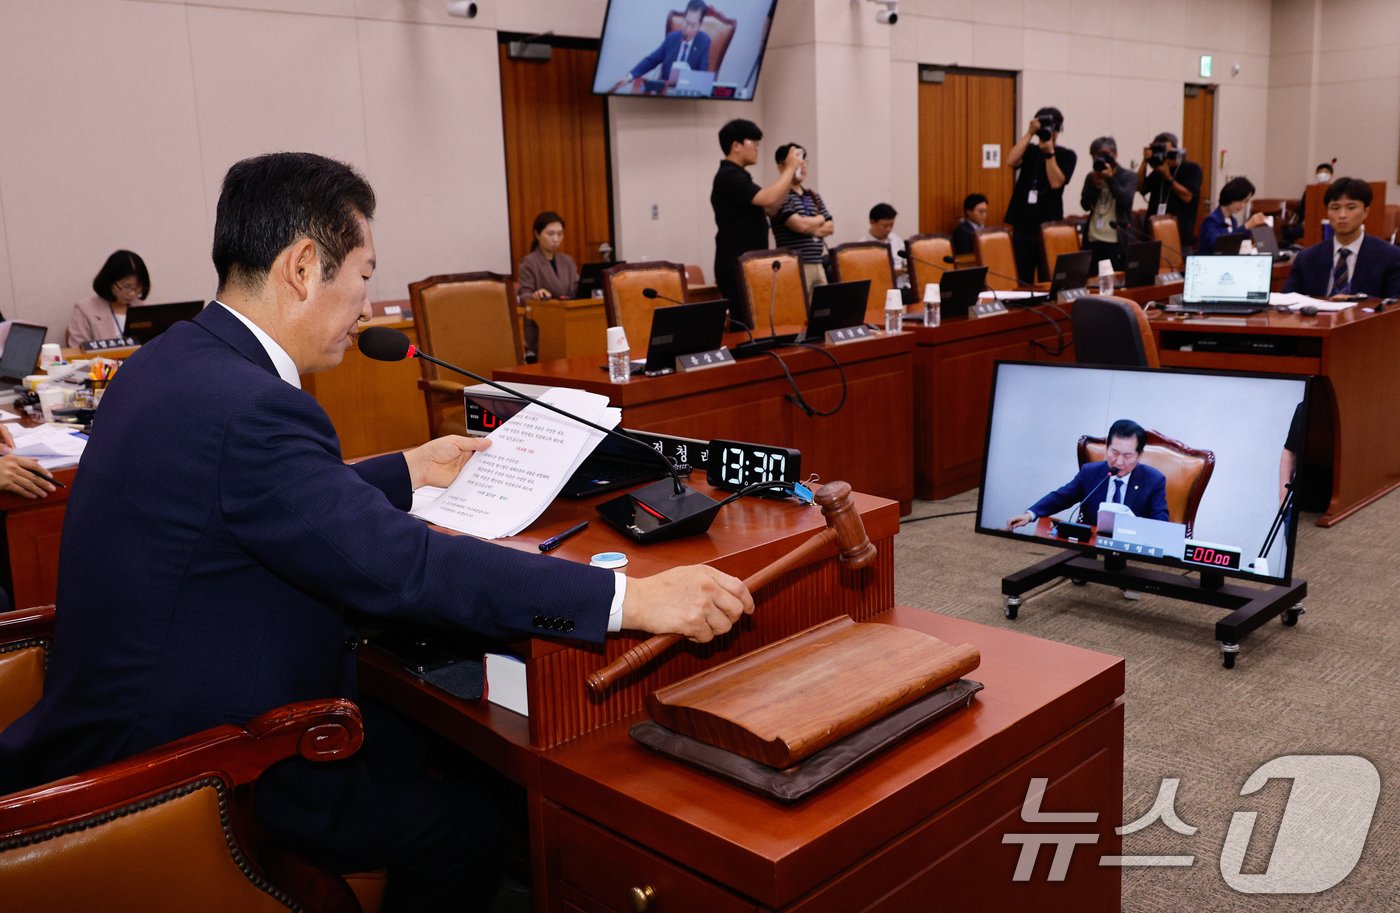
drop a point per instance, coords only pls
(51, 398)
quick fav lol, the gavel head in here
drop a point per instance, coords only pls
(854, 548)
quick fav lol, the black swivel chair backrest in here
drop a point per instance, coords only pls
(1112, 331)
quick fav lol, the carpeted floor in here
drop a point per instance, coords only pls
(1328, 686)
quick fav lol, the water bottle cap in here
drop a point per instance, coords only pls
(617, 340)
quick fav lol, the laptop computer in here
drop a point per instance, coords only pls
(835, 306)
(1265, 241)
(1229, 244)
(1071, 271)
(1225, 284)
(148, 321)
(682, 329)
(1140, 263)
(21, 355)
(590, 277)
(958, 289)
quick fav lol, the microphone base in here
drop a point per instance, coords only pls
(655, 513)
(762, 344)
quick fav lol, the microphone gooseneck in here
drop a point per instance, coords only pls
(773, 298)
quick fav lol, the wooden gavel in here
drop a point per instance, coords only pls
(844, 531)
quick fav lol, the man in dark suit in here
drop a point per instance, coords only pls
(688, 45)
(217, 551)
(1120, 479)
(1351, 263)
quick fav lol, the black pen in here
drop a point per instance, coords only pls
(47, 478)
(554, 542)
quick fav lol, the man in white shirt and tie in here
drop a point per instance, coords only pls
(1120, 478)
(1350, 262)
(688, 45)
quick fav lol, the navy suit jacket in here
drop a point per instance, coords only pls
(214, 550)
(1212, 227)
(670, 49)
(1377, 270)
(1145, 495)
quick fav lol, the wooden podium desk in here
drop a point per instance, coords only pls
(570, 327)
(1354, 425)
(923, 820)
(868, 443)
(953, 366)
(33, 529)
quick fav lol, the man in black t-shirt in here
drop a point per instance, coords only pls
(1171, 184)
(741, 206)
(1042, 171)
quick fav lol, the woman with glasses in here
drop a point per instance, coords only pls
(120, 283)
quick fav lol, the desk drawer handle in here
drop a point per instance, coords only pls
(642, 898)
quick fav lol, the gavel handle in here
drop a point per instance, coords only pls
(643, 653)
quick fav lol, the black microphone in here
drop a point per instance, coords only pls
(671, 506)
(773, 297)
(772, 340)
(653, 294)
(1144, 236)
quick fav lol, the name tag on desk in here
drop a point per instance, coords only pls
(699, 361)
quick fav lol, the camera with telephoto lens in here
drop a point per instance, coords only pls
(1160, 154)
(1049, 123)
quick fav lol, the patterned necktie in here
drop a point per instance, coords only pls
(1341, 285)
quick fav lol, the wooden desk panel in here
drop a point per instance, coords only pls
(33, 529)
(868, 443)
(953, 366)
(570, 327)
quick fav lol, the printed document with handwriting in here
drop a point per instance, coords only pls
(505, 487)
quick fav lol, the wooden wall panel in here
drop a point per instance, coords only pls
(956, 117)
(556, 150)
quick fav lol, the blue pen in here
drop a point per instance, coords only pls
(554, 542)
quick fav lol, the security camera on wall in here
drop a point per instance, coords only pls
(462, 9)
(890, 14)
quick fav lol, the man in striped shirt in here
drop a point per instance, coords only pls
(802, 222)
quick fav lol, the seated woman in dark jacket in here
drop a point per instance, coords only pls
(1226, 219)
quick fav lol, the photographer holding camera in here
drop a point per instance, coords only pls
(1171, 184)
(1042, 171)
(1107, 197)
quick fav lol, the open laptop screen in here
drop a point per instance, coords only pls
(21, 353)
(1228, 278)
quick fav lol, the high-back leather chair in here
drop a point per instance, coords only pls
(756, 281)
(866, 260)
(162, 830)
(627, 307)
(1056, 238)
(718, 26)
(926, 260)
(468, 319)
(1112, 331)
(993, 249)
(1165, 229)
(1187, 469)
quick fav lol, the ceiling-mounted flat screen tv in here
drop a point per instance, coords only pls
(683, 48)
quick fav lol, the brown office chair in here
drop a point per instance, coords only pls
(926, 260)
(756, 280)
(1165, 229)
(1056, 238)
(627, 307)
(469, 319)
(694, 275)
(1112, 331)
(1392, 222)
(1187, 469)
(718, 26)
(163, 830)
(993, 248)
(866, 260)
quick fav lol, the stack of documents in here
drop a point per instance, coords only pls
(504, 488)
(1294, 301)
(52, 446)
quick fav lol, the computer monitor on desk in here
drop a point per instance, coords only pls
(147, 321)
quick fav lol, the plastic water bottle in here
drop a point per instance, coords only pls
(894, 311)
(619, 356)
(1105, 277)
(933, 305)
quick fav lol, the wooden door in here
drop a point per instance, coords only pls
(556, 139)
(957, 117)
(1198, 137)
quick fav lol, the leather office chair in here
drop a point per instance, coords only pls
(756, 281)
(1056, 238)
(1112, 331)
(718, 26)
(1165, 229)
(866, 260)
(469, 319)
(930, 249)
(694, 275)
(627, 307)
(1187, 469)
(162, 830)
(993, 249)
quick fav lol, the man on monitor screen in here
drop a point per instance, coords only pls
(1120, 479)
(688, 45)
